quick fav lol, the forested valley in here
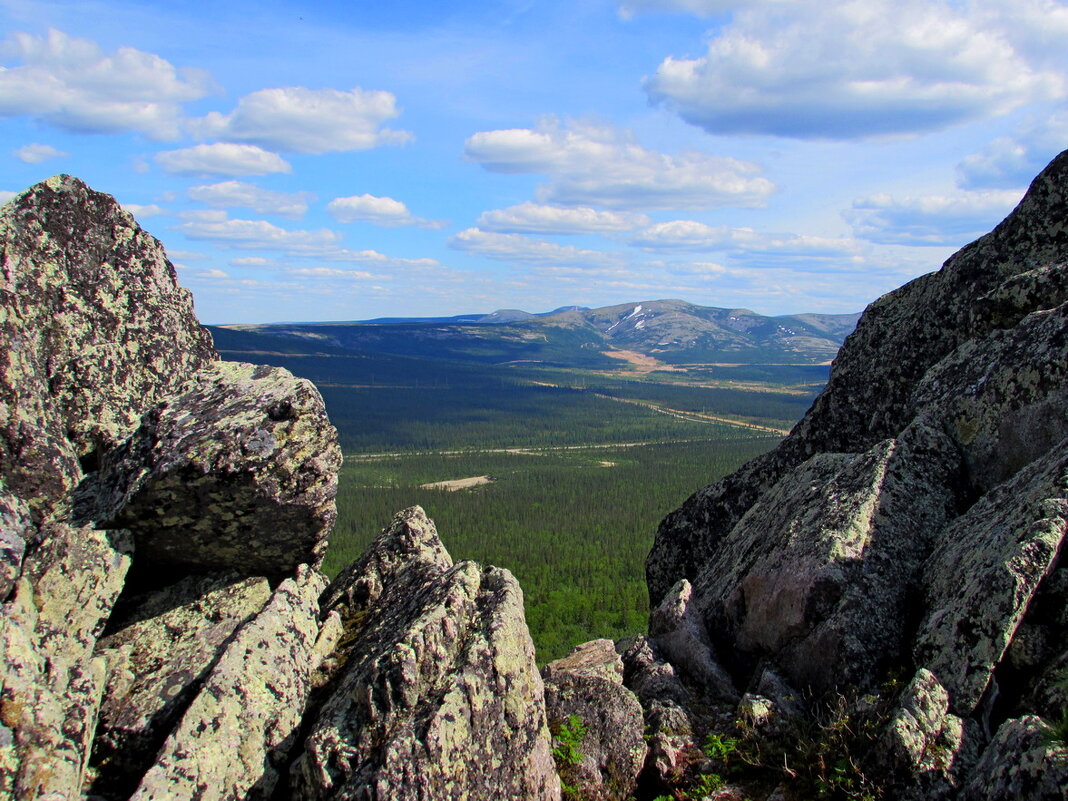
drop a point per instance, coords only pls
(559, 474)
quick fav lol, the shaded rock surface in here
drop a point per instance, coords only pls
(912, 524)
(238, 470)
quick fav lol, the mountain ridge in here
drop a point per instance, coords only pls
(673, 331)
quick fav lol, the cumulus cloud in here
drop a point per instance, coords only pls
(537, 218)
(36, 153)
(302, 120)
(839, 69)
(1013, 161)
(592, 164)
(237, 194)
(331, 272)
(753, 248)
(139, 211)
(929, 219)
(524, 249)
(212, 274)
(72, 84)
(383, 211)
(221, 159)
(256, 234)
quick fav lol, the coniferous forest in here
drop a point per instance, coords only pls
(570, 469)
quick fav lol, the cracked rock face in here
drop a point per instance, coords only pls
(96, 330)
(440, 696)
(913, 523)
(237, 470)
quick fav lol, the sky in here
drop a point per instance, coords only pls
(345, 161)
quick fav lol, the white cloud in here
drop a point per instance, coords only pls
(690, 235)
(519, 248)
(700, 8)
(843, 69)
(1014, 161)
(36, 153)
(250, 261)
(221, 159)
(212, 274)
(5, 195)
(332, 272)
(302, 120)
(536, 218)
(139, 211)
(383, 211)
(596, 165)
(257, 234)
(71, 84)
(237, 194)
(929, 219)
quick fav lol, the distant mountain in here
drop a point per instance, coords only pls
(669, 331)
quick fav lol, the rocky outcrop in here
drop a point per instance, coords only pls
(598, 722)
(912, 524)
(439, 696)
(165, 632)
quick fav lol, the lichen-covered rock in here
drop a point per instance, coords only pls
(680, 635)
(16, 526)
(156, 661)
(992, 283)
(50, 682)
(440, 696)
(924, 749)
(96, 330)
(236, 471)
(1003, 398)
(236, 734)
(611, 751)
(821, 573)
(665, 702)
(1022, 763)
(596, 658)
(983, 576)
(410, 537)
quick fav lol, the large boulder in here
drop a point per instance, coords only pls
(439, 696)
(912, 524)
(96, 330)
(237, 470)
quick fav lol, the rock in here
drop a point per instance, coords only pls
(411, 537)
(680, 635)
(984, 574)
(96, 331)
(156, 663)
(923, 749)
(822, 573)
(16, 527)
(1021, 764)
(236, 734)
(665, 703)
(1003, 398)
(992, 283)
(51, 684)
(597, 658)
(440, 696)
(586, 688)
(771, 711)
(237, 471)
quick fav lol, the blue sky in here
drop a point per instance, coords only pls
(338, 161)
